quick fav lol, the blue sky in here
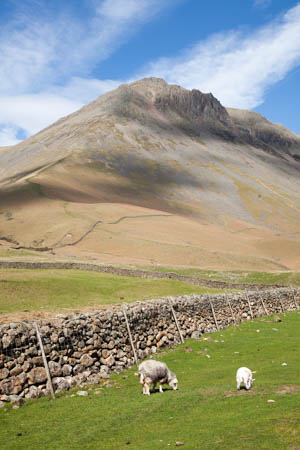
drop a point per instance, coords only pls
(56, 55)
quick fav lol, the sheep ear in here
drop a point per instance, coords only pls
(253, 379)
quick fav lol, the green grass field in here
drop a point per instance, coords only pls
(58, 289)
(235, 276)
(205, 413)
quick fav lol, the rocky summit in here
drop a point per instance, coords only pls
(153, 173)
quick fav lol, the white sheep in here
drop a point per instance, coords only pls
(244, 375)
(152, 371)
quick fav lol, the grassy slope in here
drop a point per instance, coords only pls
(207, 412)
(235, 276)
(57, 289)
(140, 233)
(53, 290)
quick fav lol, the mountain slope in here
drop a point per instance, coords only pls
(176, 156)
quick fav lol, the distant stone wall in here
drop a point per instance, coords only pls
(87, 347)
(132, 273)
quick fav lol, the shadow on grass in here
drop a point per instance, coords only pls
(241, 391)
(156, 390)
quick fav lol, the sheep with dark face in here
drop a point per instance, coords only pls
(153, 372)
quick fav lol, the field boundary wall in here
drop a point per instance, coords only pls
(131, 273)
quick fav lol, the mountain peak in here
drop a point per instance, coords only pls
(152, 97)
(150, 81)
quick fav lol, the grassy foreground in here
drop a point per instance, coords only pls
(57, 289)
(205, 413)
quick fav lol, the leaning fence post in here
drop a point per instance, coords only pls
(262, 302)
(130, 338)
(251, 313)
(282, 308)
(213, 311)
(293, 292)
(45, 360)
(176, 321)
(231, 309)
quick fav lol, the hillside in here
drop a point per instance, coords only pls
(153, 173)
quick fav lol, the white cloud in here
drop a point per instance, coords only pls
(84, 90)
(112, 24)
(237, 69)
(36, 51)
(262, 3)
(8, 136)
(26, 57)
(33, 112)
(119, 11)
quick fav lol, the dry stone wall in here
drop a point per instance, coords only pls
(130, 273)
(87, 347)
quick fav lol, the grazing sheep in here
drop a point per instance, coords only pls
(244, 375)
(152, 371)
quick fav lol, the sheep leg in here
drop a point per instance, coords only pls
(160, 388)
(144, 389)
(147, 387)
(147, 383)
(141, 379)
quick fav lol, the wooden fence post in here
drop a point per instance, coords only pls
(130, 337)
(176, 321)
(45, 360)
(251, 313)
(262, 302)
(282, 308)
(231, 310)
(293, 292)
(213, 311)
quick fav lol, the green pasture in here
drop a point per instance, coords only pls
(235, 276)
(205, 413)
(58, 289)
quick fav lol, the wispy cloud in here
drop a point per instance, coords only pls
(237, 68)
(84, 90)
(39, 49)
(262, 3)
(48, 54)
(8, 136)
(35, 111)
